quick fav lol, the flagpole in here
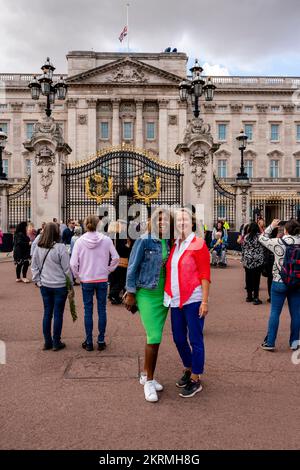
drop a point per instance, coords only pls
(127, 13)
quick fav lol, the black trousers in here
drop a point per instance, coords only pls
(22, 267)
(117, 281)
(253, 281)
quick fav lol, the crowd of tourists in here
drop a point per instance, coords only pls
(274, 252)
(149, 275)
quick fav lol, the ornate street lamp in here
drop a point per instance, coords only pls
(44, 84)
(196, 88)
(242, 144)
(3, 139)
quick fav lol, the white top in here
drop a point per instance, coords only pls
(175, 300)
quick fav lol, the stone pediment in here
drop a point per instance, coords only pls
(125, 72)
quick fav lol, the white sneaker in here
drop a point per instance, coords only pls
(150, 392)
(158, 386)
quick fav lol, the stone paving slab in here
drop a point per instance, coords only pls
(250, 398)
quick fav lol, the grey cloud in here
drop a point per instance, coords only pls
(238, 34)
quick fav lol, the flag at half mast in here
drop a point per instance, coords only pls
(123, 33)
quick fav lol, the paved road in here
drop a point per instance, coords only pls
(78, 400)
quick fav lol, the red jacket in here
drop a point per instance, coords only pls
(193, 266)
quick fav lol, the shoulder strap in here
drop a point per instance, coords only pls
(44, 261)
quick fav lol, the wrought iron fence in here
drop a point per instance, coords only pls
(283, 206)
(19, 204)
(224, 203)
(100, 182)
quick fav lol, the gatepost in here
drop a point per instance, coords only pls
(196, 154)
(48, 153)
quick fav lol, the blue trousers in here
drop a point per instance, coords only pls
(88, 290)
(187, 323)
(54, 304)
(279, 292)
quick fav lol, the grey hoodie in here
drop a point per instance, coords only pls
(55, 269)
(277, 247)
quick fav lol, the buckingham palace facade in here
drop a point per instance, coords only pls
(116, 98)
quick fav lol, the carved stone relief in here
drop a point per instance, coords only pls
(82, 119)
(127, 74)
(45, 161)
(199, 160)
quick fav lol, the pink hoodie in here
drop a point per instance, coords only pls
(90, 260)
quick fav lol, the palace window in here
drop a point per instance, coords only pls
(249, 168)
(248, 108)
(29, 130)
(222, 107)
(222, 168)
(222, 131)
(104, 131)
(150, 130)
(4, 127)
(249, 131)
(275, 109)
(3, 106)
(5, 166)
(297, 168)
(297, 129)
(275, 132)
(221, 212)
(127, 130)
(28, 166)
(274, 169)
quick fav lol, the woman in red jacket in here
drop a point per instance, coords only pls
(186, 292)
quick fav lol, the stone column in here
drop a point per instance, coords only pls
(196, 154)
(4, 186)
(72, 126)
(92, 125)
(182, 119)
(116, 122)
(242, 202)
(139, 136)
(16, 141)
(163, 129)
(49, 153)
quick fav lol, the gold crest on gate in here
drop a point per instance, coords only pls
(98, 187)
(146, 187)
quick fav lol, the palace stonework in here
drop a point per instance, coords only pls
(133, 99)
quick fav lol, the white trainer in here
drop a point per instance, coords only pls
(150, 392)
(158, 386)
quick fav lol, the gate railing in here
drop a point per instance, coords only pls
(281, 205)
(224, 203)
(19, 204)
(120, 169)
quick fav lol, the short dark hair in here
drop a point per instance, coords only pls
(292, 227)
(50, 235)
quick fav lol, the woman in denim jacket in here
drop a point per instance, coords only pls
(145, 289)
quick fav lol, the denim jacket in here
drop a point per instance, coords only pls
(145, 263)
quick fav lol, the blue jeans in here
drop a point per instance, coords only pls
(88, 290)
(54, 304)
(186, 321)
(279, 292)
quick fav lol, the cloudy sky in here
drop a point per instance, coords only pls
(235, 37)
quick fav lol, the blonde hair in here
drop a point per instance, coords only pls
(91, 223)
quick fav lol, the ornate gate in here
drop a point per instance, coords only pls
(224, 203)
(19, 204)
(122, 171)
